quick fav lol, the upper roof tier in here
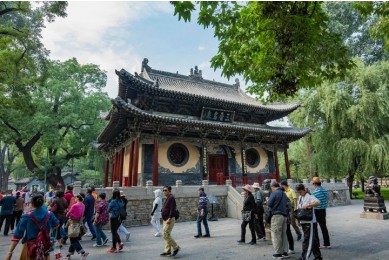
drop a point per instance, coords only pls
(195, 86)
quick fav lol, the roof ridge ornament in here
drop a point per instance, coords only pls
(196, 73)
(145, 65)
(237, 83)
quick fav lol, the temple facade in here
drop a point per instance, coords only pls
(166, 126)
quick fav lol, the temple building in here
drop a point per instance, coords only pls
(167, 126)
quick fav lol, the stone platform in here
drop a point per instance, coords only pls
(374, 215)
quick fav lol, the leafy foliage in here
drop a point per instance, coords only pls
(355, 30)
(278, 46)
(351, 134)
(65, 117)
(379, 9)
(22, 55)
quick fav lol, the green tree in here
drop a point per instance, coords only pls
(22, 55)
(280, 47)
(355, 30)
(350, 117)
(64, 118)
(379, 9)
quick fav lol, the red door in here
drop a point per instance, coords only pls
(217, 163)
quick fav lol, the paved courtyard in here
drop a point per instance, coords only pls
(351, 238)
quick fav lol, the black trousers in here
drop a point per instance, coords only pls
(315, 243)
(243, 230)
(115, 223)
(16, 218)
(259, 226)
(75, 246)
(290, 237)
(321, 220)
(8, 223)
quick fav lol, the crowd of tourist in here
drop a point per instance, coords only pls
(66, 215)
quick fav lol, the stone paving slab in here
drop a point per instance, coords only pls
(352, 238)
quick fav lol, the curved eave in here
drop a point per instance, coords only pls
(290, 132)
(152, 88)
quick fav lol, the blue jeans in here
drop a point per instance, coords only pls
(89, 220)
(100, 235)
(203, 219)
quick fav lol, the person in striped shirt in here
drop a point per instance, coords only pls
(320, 211)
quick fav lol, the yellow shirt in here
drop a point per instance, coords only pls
(291, 195)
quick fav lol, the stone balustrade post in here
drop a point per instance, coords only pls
(149, 187)
(77, 187)
(205, 184)
(305, 181)
(179, 186)
(228, 182)
(291, 183)
(116, 185)
(344, 180)
(332, 180)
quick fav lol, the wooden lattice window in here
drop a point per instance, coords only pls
(178, 154)
(252, 158)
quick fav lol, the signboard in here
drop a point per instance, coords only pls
(218, 115)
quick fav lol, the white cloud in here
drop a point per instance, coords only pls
(83, 34)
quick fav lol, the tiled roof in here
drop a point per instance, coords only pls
(211, 89)
(254, 129)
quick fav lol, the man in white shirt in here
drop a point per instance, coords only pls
(310, 243)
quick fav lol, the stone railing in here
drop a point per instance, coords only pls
(140, 200)
(229, 201)
(338, 191)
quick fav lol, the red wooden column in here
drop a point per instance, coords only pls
(155, 162)
(135, 163)
(106, 172)
(113, 170)
(287, 163)
(276, 162)
(130, 164)
(121, 167)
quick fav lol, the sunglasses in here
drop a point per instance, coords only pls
(165, 190)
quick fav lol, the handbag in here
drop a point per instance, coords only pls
(74, 230)
(268, 216)
(303, 214)
(176, 214)
(246, 215)
(83, 230)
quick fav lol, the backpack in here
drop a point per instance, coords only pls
(42, 244)
(122, 212)
(176, 214)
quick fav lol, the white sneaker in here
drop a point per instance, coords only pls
(158, 234)
(96, 245)
(291, 252)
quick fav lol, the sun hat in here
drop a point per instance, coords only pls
(247, 187)
(255, 185)
(122, 194)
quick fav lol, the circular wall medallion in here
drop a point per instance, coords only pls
(252, 158)
(178, 154)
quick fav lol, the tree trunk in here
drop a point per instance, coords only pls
(5, 165)
(54, 179)
(27, 154)
(350, 180)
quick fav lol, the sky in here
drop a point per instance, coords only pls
(116, 35)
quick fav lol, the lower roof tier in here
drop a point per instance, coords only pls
(128, 119)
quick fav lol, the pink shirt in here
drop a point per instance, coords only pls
(76, 211)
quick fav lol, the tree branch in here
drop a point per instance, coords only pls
(73, 127)
(10, 126)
